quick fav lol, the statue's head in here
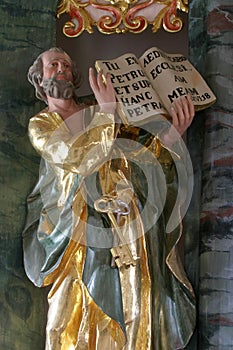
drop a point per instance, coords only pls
(58, 85)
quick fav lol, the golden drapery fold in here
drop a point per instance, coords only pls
(91, 305)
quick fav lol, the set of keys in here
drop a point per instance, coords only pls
(122, 255)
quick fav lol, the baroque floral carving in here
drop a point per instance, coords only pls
(121, 16)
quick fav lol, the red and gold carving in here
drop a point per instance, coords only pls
(121, 16)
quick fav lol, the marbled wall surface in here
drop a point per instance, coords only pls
(210, 142)
(27, 28)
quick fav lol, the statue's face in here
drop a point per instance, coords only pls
(57, 65)
(57, 79)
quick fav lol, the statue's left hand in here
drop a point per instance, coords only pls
(104, 91)
(182, 113)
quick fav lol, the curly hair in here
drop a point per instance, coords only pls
(35, 74)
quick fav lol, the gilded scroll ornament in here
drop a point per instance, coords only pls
(121, 16)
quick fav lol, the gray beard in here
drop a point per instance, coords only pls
(60, 89)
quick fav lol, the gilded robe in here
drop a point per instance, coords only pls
(150, 306)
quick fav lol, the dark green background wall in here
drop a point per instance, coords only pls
(27, 28)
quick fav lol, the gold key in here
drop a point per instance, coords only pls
(121, 253)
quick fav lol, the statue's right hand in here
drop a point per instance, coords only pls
(104, 91)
